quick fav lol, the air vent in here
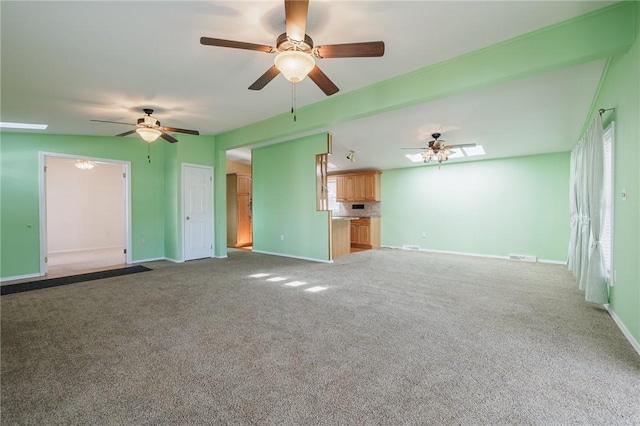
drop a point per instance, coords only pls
(523, 257)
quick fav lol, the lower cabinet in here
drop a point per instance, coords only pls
(365, 232)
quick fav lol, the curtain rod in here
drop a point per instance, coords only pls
(602, 110)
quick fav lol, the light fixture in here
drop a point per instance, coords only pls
(84, 164)
(294, 64)
(148, 134)
(351, 156)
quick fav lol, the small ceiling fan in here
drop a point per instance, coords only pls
(149, 128)
(296, 54)
(438, 149)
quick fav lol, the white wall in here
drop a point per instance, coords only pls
(85, 208)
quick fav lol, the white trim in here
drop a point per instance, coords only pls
(611, 128)
(174, 260)
(491, 256)
(20, 277)
(624, 329)
(213, 212)
(292, 256)
(126, 166)
(221, 257)
(153, 259)
(555, 262)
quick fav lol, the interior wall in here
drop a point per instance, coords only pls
(285, 219)
(621, 90)
(494, 207)
(19, 189)
(85, 208)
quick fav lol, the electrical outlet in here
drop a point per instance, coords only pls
(282, 237)
(424, 235)
(624, 194)
(143, 241)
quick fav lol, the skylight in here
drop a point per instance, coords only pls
(472, 151)
(27, 126)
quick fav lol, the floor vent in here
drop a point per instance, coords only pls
(523, 257)
(410, 247)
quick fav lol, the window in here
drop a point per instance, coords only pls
(606, 236)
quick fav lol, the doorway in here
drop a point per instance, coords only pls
(84, 215)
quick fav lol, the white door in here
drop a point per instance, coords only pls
(197, 190)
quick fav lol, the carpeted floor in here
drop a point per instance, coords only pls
(391, 337)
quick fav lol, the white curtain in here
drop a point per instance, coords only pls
(586, 209)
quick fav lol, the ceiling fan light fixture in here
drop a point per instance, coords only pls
(294, 64)
(149, 135)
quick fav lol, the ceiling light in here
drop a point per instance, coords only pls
(294, 64)
(28, 126)
(351, 156)
(84, 164)
(148, 134)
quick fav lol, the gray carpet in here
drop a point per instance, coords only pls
(397, 337)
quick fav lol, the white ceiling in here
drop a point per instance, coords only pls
(67, 62)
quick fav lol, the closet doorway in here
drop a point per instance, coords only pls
(85, 222)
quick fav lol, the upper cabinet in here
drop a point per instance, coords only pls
(362, 186)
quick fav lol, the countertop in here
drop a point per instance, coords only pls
(346, 217)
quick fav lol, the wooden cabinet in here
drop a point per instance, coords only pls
(239, 210)
(364, 186)
(365, 232)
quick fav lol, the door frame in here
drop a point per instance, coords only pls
(183, 217)
(42, 180)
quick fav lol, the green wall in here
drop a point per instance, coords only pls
(494, 207)
(155, 189)
(596, 35)
(621, 90)
(284, 203)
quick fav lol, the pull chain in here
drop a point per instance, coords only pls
(293, 100)
(149, 152)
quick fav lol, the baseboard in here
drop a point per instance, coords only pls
(153, 259)
(21, 277)
(173, 260)
(624, 329)
(221, 257)
(293, 257)
(461, 253)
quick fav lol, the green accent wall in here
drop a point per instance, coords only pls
(155, 191)
(495, 207)
(284, 200)
(621, 90)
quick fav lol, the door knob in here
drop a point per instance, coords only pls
(188, 218)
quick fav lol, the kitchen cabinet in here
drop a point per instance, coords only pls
(363, 186)
(365, 232)
(239, 226)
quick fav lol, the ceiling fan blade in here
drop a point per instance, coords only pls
(126, 133)
(420, 148)
(295, 18)
(113, 122)
(175, 129)
(168, 137)
(461, 145)
(351, 50)
(323, 82)
(265, 78)
(208, 41)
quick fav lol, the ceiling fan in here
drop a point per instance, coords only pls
(296, 54)
(149, 128)
(438, 149)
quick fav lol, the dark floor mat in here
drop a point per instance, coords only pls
(54, 282)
